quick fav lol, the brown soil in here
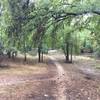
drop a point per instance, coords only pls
(84, 78)
(52, 80)
(27, 80)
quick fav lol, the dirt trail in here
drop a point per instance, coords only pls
(60, 80)
(81, 84)
(55, 80)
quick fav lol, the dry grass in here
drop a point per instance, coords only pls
(24, 70)
(30, 79)
(19, 67)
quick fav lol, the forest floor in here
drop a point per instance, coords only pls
(52, 80)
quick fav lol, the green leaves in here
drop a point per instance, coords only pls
(48, 20)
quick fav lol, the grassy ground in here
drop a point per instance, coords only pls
(31, 80)
(26, 80)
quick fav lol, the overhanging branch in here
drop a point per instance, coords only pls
(62, 15)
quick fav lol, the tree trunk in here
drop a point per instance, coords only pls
(67, 58)
(71, 53)
(67, 50)
(25, 57)
(13, 57)
(39, 54)
(9, 54)
(42, 56)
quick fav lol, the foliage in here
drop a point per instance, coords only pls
(53, 23)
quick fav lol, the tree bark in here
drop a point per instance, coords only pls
(25, 56)
(67, 52)
(71, 53)
(42, 56)
(39, 54)
(9, 54)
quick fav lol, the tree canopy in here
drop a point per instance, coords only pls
(55, 23)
